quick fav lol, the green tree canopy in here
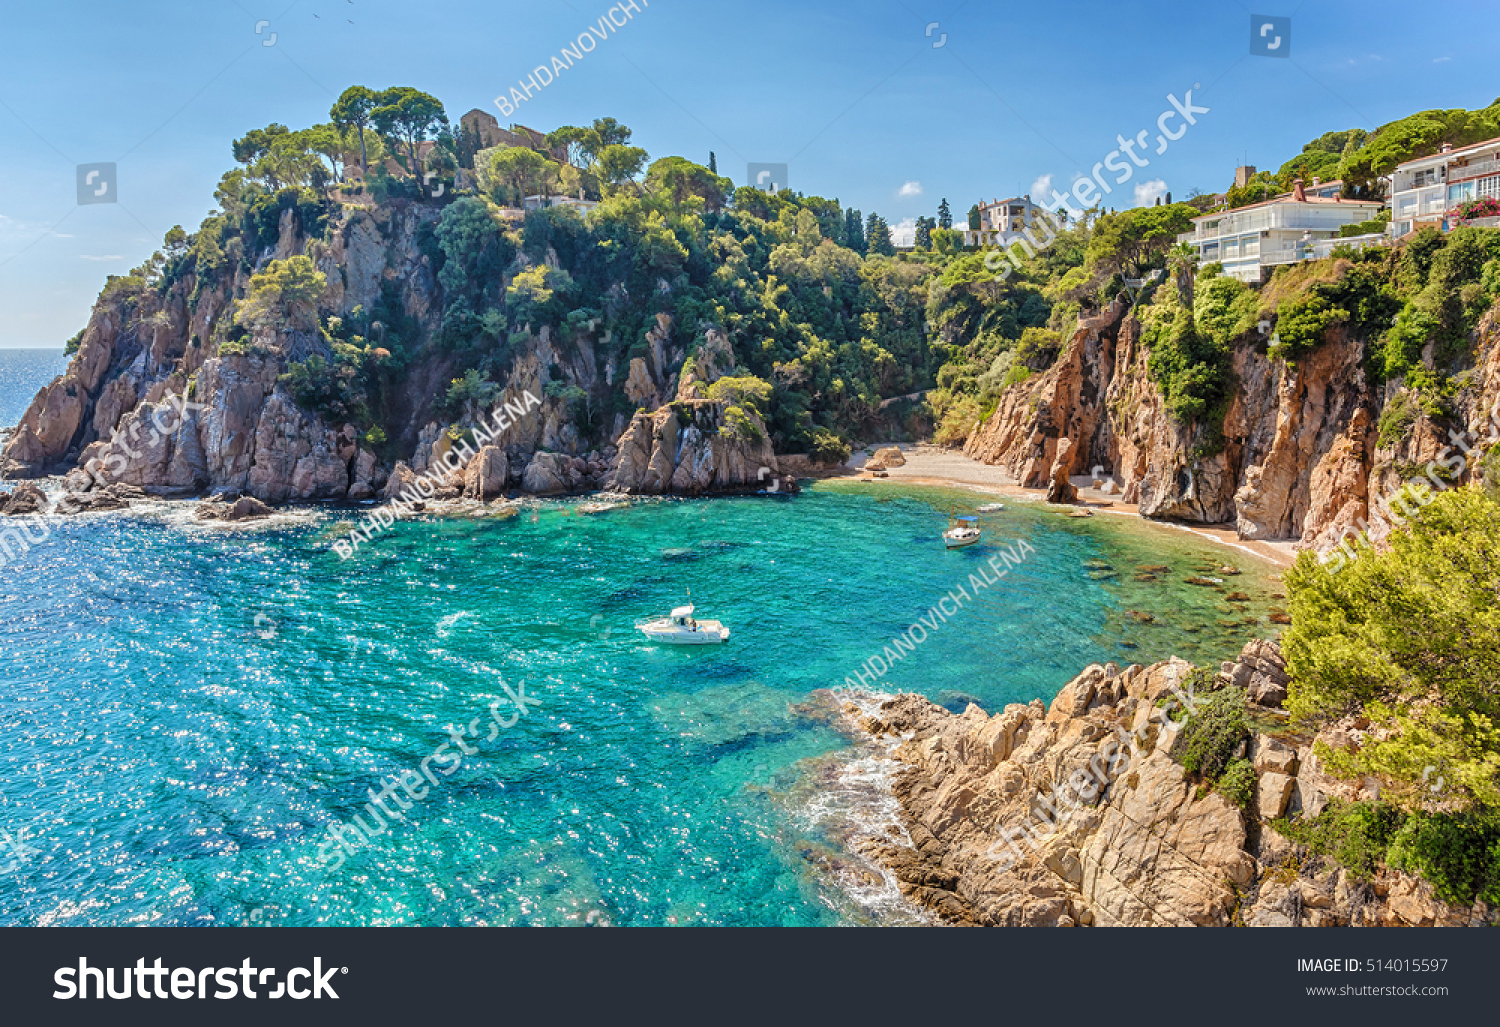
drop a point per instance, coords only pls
(405, 117)
(678, 179)
(352, 111)
(1409, 637)
(283, 296)
(1134, 240)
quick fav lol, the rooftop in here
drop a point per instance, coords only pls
(1311, 201)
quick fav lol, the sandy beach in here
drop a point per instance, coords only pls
(933, 465)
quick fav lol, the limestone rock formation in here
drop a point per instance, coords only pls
(1145, 849)
(1298, 459)
(548, 474)
(1261, 671)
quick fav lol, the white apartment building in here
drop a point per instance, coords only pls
(1250, 240)
(1424, 190)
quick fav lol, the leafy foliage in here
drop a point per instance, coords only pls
(1211, 736)
(1351, 648)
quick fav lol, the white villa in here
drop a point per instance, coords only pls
(1002, 221)
(1424, 190)
(578, 203)
(1281, 230)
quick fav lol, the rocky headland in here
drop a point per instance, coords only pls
(1077, 814)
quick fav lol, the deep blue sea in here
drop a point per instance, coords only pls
(185, 709)
(22, 373)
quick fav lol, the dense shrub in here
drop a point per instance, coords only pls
(1211, 736)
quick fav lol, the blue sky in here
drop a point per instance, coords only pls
(853, 95)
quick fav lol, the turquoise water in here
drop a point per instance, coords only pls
(185, 708)
(22, 373)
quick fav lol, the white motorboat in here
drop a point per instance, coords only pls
(680, 628)
(991, 507)
(964, 531)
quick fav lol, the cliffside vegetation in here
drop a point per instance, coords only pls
(1409, 641)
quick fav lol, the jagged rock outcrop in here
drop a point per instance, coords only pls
(243, 508)
(487, 474)
(25, 498)
(1059, 488)
(689, 447)
(1144, 850)
(1261, 672)
(1076, 814)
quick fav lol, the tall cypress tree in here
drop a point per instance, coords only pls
(974, 218)
(713, 162)
(878, 235)
(924, 233)
(854, 231)
(945, 215)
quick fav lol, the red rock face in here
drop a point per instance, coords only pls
(1301, 461)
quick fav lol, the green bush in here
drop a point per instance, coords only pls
(1211, 736)
(1356, 835)
(1410, 637)
(1396, 419)
(1302, 325)
(1459, 855)
(1237, 783)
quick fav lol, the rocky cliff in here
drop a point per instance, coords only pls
(1076, 814)
(165, 393)
(1302, 459)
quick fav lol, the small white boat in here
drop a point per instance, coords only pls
(964, 531)
(991, 507)
(679, 628)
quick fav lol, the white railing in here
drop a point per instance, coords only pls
(1324, 247)
(1474, 170)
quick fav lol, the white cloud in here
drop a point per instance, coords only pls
(912, 188)
(1147, 192)
(1441, 60)
(61, 235)
(1041, 189)
(110, 256)
(904, 232)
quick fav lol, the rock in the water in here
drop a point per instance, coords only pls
(547, 474)
(26, 498)
(243, 509)
(486, 475)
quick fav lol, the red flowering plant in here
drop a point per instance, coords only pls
(1483, 207)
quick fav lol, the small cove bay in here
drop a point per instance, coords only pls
(187, 708)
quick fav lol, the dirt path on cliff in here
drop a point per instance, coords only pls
(932, 465)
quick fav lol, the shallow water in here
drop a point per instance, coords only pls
(186, 708)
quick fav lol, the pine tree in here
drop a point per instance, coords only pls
(974, 218)
(854, 231)
(945, 215)
(924, 233)
(713, 162)
(878, 236)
